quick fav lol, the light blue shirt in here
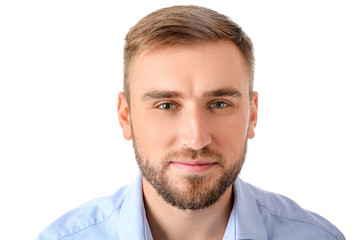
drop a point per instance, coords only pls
(256, 214)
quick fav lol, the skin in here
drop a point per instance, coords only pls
(189, 97)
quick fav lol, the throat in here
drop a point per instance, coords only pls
(169, 222)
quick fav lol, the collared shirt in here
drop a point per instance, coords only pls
(256, 215)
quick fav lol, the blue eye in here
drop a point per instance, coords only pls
(167, 106)
(219, 105)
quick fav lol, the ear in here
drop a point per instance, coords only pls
(124, 116)
(253, 115)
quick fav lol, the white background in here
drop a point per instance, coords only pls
(61, 70)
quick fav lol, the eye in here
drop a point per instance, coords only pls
(167, 106)
(219, 105)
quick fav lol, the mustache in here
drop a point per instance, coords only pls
(188, 153)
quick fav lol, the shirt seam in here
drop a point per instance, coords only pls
(97, 223)
(298, 220)
(94, 224)
(89, 226)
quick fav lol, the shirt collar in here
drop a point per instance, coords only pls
(132, 217)
(245, 221)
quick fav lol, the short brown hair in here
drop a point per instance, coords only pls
(183, 25)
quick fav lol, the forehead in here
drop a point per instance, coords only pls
(192, 69)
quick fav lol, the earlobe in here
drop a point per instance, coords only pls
(124, 116)
(253, 115)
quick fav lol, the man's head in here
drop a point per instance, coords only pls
(181, 26)
(191, 107)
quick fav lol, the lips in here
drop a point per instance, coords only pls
(193, 166)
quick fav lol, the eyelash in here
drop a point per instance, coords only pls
(161, 106)
(224, 104)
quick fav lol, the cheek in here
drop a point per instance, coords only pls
(152, 133)
(232, 136)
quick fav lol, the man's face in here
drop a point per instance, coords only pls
(190, 118)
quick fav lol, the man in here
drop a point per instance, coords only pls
(189, 107)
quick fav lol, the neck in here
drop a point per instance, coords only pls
(169, 222)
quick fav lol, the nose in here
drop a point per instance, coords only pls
(194, 131)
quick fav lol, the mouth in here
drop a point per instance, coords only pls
(193, 166)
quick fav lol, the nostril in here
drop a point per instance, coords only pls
(197, 142)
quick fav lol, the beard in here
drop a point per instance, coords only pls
(192, 191)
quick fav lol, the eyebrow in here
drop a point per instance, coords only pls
(156, 94)
(224, 92)
(221, 92)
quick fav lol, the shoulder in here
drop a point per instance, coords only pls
(87, 216)
(285, 215)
